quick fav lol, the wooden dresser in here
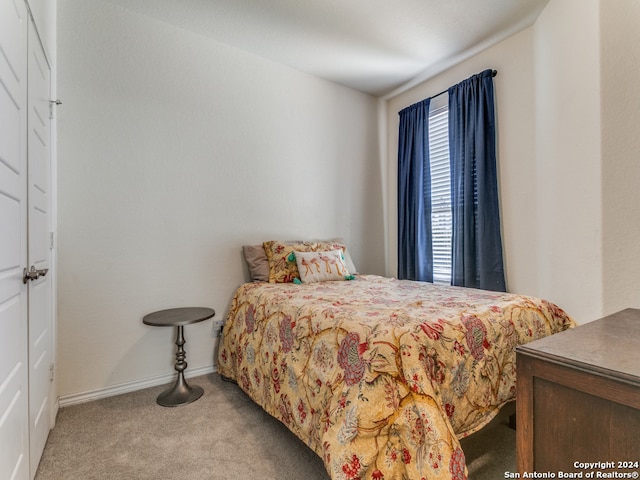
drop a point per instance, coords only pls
(578, 398)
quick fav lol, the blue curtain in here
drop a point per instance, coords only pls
(415, 258)
(477, 244)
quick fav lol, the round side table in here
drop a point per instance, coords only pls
(181, 393)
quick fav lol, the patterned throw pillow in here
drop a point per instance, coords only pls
(321, 266)
(282, 260)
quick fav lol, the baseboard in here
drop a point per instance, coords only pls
(83, 397)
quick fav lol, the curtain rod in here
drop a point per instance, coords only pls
(493, 74)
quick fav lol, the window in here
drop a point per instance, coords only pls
(450, 236)
(440, 189)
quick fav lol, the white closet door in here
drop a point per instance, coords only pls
(39, 251)
(14, 415)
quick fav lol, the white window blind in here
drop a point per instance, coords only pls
(440, 193)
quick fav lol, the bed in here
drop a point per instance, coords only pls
(380, 377)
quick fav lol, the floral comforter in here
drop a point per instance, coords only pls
(381, 377)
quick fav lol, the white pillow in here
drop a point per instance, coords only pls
(321, 266)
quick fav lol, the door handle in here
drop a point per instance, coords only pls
(33, 273)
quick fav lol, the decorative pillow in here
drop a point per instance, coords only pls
(257, 262)
(339, 243)
(321, 266)
(282, 260)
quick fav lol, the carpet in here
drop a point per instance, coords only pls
(222, 436)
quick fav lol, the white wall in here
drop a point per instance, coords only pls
(568, 111)
(568, 156)
(620, 110)
(174, 151)
(588, 111)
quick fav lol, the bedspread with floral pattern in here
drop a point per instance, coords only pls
(381, 377)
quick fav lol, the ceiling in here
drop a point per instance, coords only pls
(375, 46)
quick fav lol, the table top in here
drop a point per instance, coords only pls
(175, 317)
(609, 345)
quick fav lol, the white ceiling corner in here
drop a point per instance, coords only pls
(375, 46)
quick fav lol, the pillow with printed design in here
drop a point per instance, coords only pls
(282, 260)
(321, 266)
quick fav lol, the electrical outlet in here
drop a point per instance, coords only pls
(217, 327)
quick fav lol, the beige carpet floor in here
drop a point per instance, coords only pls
(221, 436)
